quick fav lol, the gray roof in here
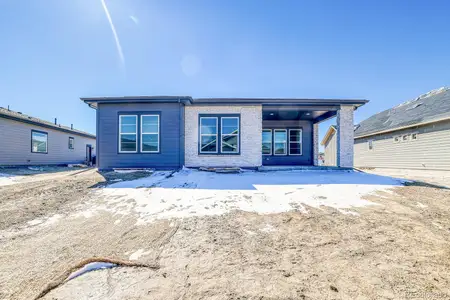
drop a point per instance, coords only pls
(430, 107)
(92, 101)
(17, 116)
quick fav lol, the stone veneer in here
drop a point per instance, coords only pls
(251, 137)
(345, 134)
(316, 144)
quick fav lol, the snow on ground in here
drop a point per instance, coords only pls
(6, 179)
(166, 195)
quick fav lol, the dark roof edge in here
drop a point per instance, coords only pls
(401, 127)
(92, 101)
(88, 135)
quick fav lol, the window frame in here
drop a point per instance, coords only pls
(271, 141)
(208, 134)
(286, 142)
(141, 133)
(46, 142)
(228, 134)
(299, 142)
(71, 138)
(120, 133)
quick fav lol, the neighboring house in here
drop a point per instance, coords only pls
(329, 143)
(168, 132)
(412, 135)
(31, 141)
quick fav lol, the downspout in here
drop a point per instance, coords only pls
(179, 132)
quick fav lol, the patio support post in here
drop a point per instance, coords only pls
(345, 135)
(316, 144)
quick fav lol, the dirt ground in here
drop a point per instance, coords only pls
(397, 250)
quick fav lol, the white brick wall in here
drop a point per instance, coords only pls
(251, 137)
(345, 134)
(316, 144)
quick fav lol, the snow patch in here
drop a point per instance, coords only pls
(421, 205)
(138, 253)
(190, 193)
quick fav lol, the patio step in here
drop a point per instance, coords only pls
(301, 168)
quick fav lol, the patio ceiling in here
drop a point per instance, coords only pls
(297, 113)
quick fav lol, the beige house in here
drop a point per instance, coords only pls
(329, 143)
(412, 135)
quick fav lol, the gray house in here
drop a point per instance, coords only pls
(168, 132)
(412, 135)
(31, 141)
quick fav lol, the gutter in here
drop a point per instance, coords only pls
(402, 127)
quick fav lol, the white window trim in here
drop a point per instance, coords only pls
(46, 142)
(286, 142)
(143, 133)
(120, 133)
(73, 143)
(271, 141)
(300, 142)
(209, 134)
(233, 134)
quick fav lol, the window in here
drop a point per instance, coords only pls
(414, 136)
(208, 134)
(71, 143)
(267, 142)
(295, 142)
(280, 141)
(150, 133)
(396, 139)
(229, 128)
(370, 144)
(39, 141)
(127, 134)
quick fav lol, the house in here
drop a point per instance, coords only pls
(412, 135)
(28, 140)
(329, 144)
(168, 132)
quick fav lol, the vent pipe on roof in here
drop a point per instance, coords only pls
(8, 107)
(56, 121)
(71, 126)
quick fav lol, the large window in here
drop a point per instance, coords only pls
(230, 134)
(208, 134)
(219, 134)
(128, 133)
(295, 142)
(71, 143)
(280, 141)
(267, 142)
(150, 133)
(39, 142)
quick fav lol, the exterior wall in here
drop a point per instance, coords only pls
(429, 151)
(316, 144)
(330, 151)
(170, 155)
(16, 145)
(250, 137)
(307, 143)
(345, 134)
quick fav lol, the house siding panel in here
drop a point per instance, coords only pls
(429, 151)
(170, 156)
(307, 143)
(331, 151)
(16, 145)
(250, 137)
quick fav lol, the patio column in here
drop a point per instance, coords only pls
(316, 144)
(345, 134)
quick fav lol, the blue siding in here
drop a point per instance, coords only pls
(171, 137)
(307, 140)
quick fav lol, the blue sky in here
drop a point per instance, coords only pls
(54, 52)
